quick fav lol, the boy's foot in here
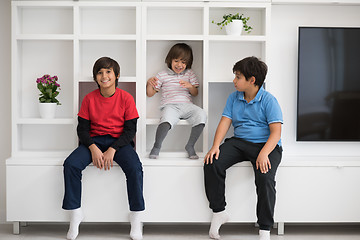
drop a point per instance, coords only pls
(264, 235)
(191, 151)
(217, 220)
(154, 153)
(194, 157)
(136, 232)
(153, 156)
(76, 216)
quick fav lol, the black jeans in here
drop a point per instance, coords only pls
(235, 150)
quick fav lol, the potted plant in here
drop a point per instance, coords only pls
(234, 23)
(48, 88)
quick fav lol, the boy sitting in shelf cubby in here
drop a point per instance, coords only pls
(178, 83)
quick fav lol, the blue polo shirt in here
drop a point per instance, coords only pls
(251, 120)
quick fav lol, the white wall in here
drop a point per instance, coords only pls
(5, 116)
(282, 79)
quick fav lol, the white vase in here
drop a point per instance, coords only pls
(47, 110)
(234, 28)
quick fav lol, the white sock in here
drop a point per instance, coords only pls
(136, 232)
(76, 216)
(217, 220)
(264, 235)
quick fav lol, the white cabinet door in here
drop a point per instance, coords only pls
(318, 194)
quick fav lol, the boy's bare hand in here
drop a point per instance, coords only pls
(108, 158)
(152, 82)
(263, 163)
(97, 156)
(185, 84)
(209, 156)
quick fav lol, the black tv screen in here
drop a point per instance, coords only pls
(328, 103)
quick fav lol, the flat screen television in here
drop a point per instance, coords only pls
(328, 98)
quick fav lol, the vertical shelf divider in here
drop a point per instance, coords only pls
(139, 79)
(142, 81)
(76, 59)
(14, 77)
(205, 84)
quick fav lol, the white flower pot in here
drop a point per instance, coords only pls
(234, 28)
(47, 110)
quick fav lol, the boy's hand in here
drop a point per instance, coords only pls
(108, 158)
(151, 86)
(152, 82)
(185, 84)
(209, 156)
(97, 156)
(192, 89)
(263, 163)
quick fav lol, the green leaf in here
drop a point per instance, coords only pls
(49, 92)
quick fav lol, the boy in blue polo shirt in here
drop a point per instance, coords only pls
(257, 118)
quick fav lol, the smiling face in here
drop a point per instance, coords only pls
(178, 65)
(106, 78)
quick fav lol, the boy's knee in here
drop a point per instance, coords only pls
(202, 116)
(68, 163)
(133, 165)
(134, 171)
(212, 168)
(264, 179)
(137, 167)
(78, 158)
(206, 167)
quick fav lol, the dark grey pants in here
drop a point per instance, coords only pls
(235, 150)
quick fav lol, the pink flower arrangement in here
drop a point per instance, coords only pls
(48, 87)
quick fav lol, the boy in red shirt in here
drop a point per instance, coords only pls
(107, 125)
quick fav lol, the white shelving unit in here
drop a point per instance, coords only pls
(64, 38)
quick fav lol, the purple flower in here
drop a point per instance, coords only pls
(46, 86)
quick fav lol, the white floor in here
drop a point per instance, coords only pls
(90, 231)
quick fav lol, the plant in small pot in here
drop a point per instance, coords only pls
(234, 23)
(48, 87)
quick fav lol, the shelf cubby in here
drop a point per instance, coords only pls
(169, 20)
(220, 68)
(218, 94)
(39, 57)
(108, 21)
(156, 54)
(45, 20)
(46, 137)
(256, 21)
(123, 51)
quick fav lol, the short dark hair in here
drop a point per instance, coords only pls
(107, 63)
(180, 51)
(252, 66)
